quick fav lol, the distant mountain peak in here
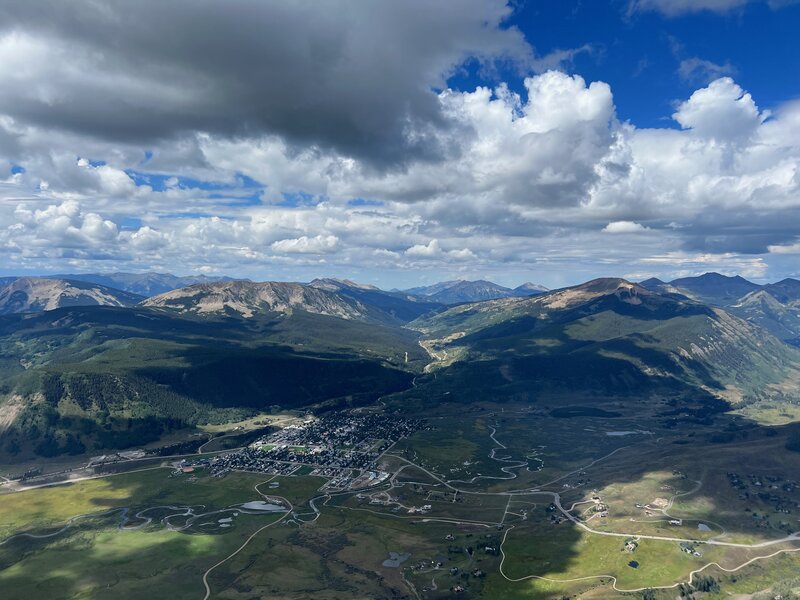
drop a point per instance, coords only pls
(35, 294)
(334, 284)
(714, 278)
(653, 281)
(529, 289)
(462, 291)
(714, 288)
(246, 299)
(786, 290)
(607, 284)
(146, 284)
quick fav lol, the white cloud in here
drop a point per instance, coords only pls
(429, 250)
(464, 254)
(532, 183)
(320, 244)
(432, 250)
(785, 249)
(723, 111)
(146, 239)
(624, 227)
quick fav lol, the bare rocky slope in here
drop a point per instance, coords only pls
(247, 299)
(35, 294)
(143, 284)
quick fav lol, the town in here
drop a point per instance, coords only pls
(342, 447)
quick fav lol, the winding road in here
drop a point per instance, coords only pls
(250, 538)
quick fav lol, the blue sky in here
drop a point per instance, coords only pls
(401, 143)
(640, 54)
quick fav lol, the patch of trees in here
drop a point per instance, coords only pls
(189, 447)
(13, 447)
(50, 446)
(256, 381)
(706, 583)
(793, 441)
(701, 583)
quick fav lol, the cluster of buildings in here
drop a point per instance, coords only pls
(556, 518)
(582, 481)
(342, 447)
(690, 549)
(773, 490)
(600, 508)
(366, 433)
(251, 460)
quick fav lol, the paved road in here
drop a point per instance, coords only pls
(557, 502)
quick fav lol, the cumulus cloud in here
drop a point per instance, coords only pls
(65, 225)
(146, 239)
(624, 227)
(553, 169)
(319, 244)
(785, 249)
(432, 250)
(428, 250)
(723, 111)
(66, 230)
(358, 165)
(350, 76)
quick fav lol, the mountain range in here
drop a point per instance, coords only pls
(33, 294)
(142, 284)
(460, 291)
(84, 367)
(610, 335)
(246, 299)
(125, 289)
(774, 306)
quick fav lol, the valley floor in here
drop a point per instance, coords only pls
(491, 501)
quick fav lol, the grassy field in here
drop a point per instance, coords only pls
(771, 413)
(741, 488)
(96, 559)
(460, 447)
(342, 554)
(575, 562)
(565, 554)
(50, 507)
(107, 563)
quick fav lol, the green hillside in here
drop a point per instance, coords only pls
(100, 377)
(609, 336)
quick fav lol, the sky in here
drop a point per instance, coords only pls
(401, 143)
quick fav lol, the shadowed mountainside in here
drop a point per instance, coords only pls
(102, 377)
(610, 334)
